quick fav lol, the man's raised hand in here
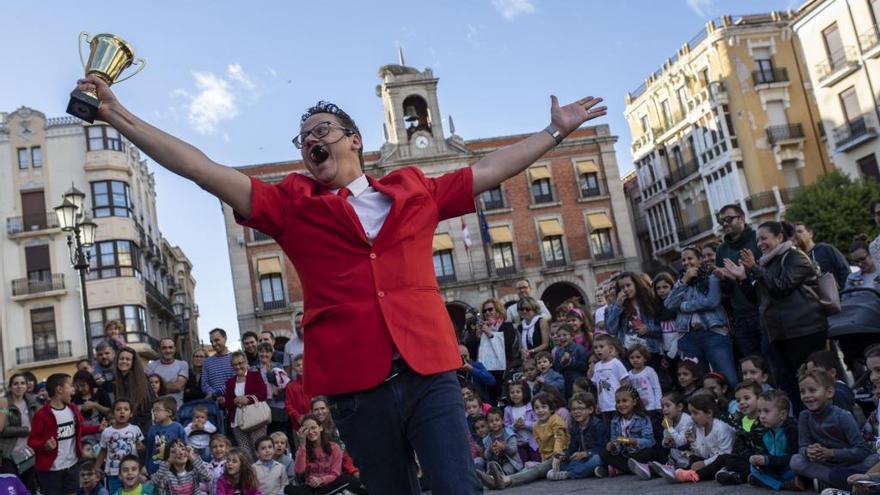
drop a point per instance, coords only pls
(571, 116)
(106, 98)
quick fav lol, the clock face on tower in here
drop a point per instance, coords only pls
(421, 141)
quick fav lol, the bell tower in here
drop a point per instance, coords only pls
(413, 126)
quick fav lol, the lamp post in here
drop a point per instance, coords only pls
(80, 231)
(182, 311)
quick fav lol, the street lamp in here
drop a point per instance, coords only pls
(81, 232)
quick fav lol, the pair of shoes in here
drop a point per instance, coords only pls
(726, 477)
(640, 469)
(600, 472)
(554, 475)
(834, 491)
(485, 479)
(498, 476)
(795, 484)
(686, 475)
(664, 471)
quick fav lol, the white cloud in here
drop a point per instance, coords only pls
(272, 72)
(512, 8)
(702, 8)
(236, 73)
(215, 98)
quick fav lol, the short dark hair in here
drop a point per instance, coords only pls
(755, 387)
(586, 399)
(777, 398)
(222, 332)
(265, 346)
(83, 360)
(872, 351)
(823, 359)
(543, 355)
(103, 345)
(120, 401)
(88, 465)
(298, 357)
(131, 457)
(201, 409)
(262, 439)
(733, 206)
(269, 332)
(820, 376)
(496, 411)
(168, 402)
(704, 402)
(345, 119)
(249, 334)
(54, 381)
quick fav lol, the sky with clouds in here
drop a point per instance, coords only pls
(232, 78)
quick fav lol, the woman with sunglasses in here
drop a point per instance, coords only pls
(534, 331)
(495, 326)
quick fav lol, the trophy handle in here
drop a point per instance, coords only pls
(141, 63)
(82, 36)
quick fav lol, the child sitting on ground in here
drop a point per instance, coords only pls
(552, 437)
(709, 439)
(826, 360)
(588, 437)
(676, 423)
(520, 416)
(90, 480)
(771, 470)
(631, 446)
(828, 436)
(282, 453)
(548, 377)
(270, 473)
(182, 471)
(749, 436)
(500, 449)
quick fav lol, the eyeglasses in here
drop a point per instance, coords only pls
(320, 131)
(728, 219)
(489, 310)
(524, 310)
(860, 259)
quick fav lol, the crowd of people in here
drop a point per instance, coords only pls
(721, 371)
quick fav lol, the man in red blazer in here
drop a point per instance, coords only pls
(378, 338)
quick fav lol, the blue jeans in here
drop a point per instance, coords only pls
(582, 468)
(748, 335)
(712, 348)
(383, 426)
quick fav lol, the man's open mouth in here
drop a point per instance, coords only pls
(318, 154)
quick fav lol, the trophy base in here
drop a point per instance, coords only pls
(83, 105)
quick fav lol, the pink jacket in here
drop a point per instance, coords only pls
(224, 487)
(326, 467)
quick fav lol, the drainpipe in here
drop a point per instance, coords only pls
(867, 73)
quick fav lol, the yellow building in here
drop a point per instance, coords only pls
(725, 120)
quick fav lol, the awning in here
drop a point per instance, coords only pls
(599, 221)
(442, 242)
(500, 234)
(266, 266)
(537, 173)
(587, 167)
(549, 227)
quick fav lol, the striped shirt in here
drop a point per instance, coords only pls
(183, 483)
(215, 372)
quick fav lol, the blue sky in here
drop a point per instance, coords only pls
(232, 78)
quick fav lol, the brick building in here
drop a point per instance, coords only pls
(563, 224)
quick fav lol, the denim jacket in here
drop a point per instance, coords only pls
(591, 439)
(687, 300)
(639, 429)
(618, 326)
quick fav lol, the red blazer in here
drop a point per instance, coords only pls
(44, 427)
(362, 301)
(253, 385)
(297, 402)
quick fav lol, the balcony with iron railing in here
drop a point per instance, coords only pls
(279, 305)
(769, 76)
(36, 222)
(157, 297)
(776, 134)
(767, 200)
(837, 65)
(257, 236)
(679, 174)
(545, 198)
(38, 285)
(694, 230)
(854, 133)
(33, 354)
(718, 92)
(870, 39)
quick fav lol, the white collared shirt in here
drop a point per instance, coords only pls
(370, 205)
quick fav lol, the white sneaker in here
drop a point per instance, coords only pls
(554, 475)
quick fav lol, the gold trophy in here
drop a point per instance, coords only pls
(109, 56)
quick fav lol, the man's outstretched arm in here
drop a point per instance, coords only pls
(228, 184)
(498, 166)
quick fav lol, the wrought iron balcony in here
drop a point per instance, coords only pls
(777, 133)
(854, 132)
(493, 204)
(273, 305)
(689, 168)
(603, 256)
(31, 223)
(695, 229)
(33, 354)
(768, 76)
(32, 286)
(836, 61)
(869, 38)
(257, 236)
(761, 201)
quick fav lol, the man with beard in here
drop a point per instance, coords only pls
(249, 346)
(104, 357)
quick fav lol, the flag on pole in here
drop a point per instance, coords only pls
(465, 235)
(484, 228)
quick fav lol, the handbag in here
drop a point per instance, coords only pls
(253, 416)
(23, 459)
(826, 291)
(491, 352)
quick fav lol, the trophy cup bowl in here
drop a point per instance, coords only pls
(109, 56)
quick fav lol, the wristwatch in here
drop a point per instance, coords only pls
(554, 133)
